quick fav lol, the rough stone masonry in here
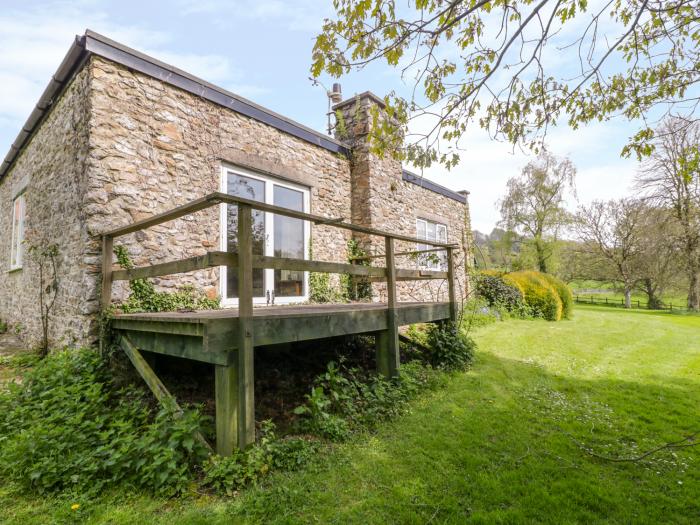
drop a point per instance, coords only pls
(119, 145)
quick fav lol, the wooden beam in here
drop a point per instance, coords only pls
(283, 263)
(452, 296)
(387, 342)
(246, 397)
(190, 264)
(186, 209)
(397, 254)
(216, 198)
(161, 393)
(107, 249)
(226, 396)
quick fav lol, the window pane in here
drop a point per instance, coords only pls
(17, 232)
(420, 229)
(252, 189)
(288, 241)
(430, 231)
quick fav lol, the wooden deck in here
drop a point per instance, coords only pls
(212, 335)
(228, 338)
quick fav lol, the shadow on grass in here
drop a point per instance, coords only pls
(505, 443)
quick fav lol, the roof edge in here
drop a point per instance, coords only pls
(71, 63)
(434, 186)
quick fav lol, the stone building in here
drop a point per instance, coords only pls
(118, 136)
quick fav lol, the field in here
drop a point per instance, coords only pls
(518, 439)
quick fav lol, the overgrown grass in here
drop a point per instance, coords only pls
(499, 444)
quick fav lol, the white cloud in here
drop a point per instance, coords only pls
(306, 15)
(35, 40)
(486, 166)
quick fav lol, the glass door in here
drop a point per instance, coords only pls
(273, 235)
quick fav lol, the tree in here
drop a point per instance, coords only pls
(658, 254)
(671, 178)
(612, 232)
(516, 67)
(534, 203)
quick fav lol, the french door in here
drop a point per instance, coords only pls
(273, 235)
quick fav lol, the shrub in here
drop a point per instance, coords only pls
(565, 295)
(229, 474)
(343, 400)
(145, 298)
(499, 293)
(540, 296)
(447, 348)
(67, 428)
(3, 327)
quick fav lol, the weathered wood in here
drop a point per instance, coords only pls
(397, 254)
(409, 275)
(107, 249)
(218, 197)
(387, 342)
(170, 215)
(184, 347)
(190, 264)
(217, 258)
(452, 296)
(226, 395)
(246, 398)
(159, 390)
(284, 263)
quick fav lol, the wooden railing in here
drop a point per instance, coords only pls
(244, 261)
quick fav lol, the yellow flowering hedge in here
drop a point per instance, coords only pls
(541, 293)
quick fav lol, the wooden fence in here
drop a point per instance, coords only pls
(636, 303)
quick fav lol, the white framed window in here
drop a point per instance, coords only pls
(18, 227)
(431, 231)
(273, 236)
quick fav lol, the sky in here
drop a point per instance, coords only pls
(261, 49)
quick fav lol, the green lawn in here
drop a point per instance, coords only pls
(496, 445)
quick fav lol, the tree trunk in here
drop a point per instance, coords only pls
(694, 291)
(628, 297)
(653, 299)
(541, 255)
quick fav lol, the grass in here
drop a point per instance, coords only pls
(499, 444)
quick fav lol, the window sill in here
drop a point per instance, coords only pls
(15, 270)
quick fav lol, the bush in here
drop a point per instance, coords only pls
(540, 296)
(229, 474)
(447, 348)
(565, 295)
(344, 400)
(67, 428)
(499, 293)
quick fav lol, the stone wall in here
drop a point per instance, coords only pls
(52, 167)
(154, 146)
(120, 146)
(383, 200)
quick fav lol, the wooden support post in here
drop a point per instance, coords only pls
(387, 342)
(452, 296)
(107, 249)
(226, 395)
(161, 393)
(245, 365)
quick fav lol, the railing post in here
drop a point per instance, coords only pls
(387, 341)
(234, 383)
(452, 296)
(246, 428)
(107, 249)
